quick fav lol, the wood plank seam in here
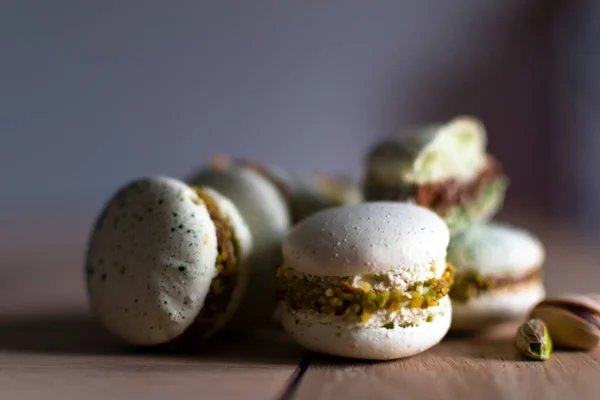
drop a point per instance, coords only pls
(295, 378)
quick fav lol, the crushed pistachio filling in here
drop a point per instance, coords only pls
(357, 298)
(470, 284)
(224, 283)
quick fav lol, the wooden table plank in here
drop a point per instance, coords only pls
(52, 348)
(480, 367)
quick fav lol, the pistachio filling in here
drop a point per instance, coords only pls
(470, 284)
(224, 283)
(440, 196)
(357, 297)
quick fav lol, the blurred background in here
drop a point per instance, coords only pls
(93, 94)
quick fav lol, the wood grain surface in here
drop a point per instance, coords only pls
(52, 348)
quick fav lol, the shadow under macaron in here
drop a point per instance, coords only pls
(79, 333)
(66, 333)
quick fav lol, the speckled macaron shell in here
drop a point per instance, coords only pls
(150, 261)
(496, 249)
(244, 239)
(368, 343)
(265, 211)
(367, 238)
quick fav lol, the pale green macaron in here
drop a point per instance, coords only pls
(498, 275)
(264, 207)
(443, 167)
(167, 261)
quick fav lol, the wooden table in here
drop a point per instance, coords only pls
(51, 348)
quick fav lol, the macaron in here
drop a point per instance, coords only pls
(498, 275)
(443, 167)
(167, 261)
(367, 281)
(340, 189)
(302, 195)
(265, 210)
(309, 194)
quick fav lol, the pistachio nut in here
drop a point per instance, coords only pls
(573, 320)
(533, 340)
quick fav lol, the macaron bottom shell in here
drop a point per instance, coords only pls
(368, 343)
(494, 308)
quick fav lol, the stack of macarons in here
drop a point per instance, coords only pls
(446, 168)
(378, 268)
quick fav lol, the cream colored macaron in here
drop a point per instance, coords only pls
(367, 281)
(265, 210)
(498, 275)
(167, 260)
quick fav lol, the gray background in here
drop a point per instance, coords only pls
(93, 94)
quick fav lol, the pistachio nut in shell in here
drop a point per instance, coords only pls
(533, 340)
(573, 320)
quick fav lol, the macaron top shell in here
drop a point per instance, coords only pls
(432, 153)
(367, 238)
(150, 260)
(495, 249)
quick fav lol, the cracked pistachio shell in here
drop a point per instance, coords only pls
(533, 340)
(573, 320)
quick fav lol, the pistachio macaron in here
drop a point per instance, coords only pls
(166, 260)
(366, 281)
(302, 195)
(264, 208)
(498, 275)
(315, 192)
(340, 189)
(444, 167)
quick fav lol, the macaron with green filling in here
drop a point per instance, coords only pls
(443, 167)
(167, 262)
(498, 275)
(264, 208)
(366, 281)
